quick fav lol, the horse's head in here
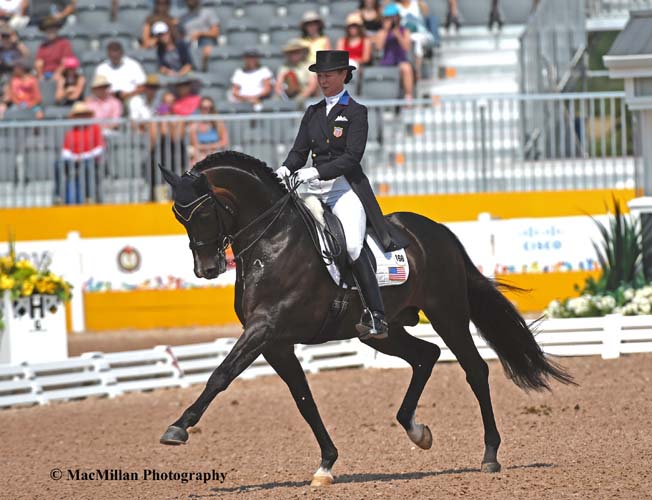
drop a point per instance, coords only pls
(201, 213)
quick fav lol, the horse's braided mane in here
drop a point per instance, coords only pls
(239, 160)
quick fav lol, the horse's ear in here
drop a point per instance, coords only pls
(201, 184)
(170, 177)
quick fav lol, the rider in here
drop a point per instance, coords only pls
(335, 130)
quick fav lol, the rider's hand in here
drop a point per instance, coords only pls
(307, 174)
(283, 172)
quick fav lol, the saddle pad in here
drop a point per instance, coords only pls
(391, 268)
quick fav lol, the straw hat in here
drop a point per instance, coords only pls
(310, 17)
(152, 80)
(100, 81)
(354, 19)
(294, 44)
(81, 109)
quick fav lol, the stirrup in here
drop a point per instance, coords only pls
(372, 325)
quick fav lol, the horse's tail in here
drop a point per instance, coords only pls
(507, 333)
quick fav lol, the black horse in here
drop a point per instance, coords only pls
(283, 294)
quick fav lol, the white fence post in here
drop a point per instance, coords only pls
(611, 336)
(76, 278)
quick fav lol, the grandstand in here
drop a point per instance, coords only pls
(495, 111)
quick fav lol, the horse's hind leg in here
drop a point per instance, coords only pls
(454, 331)
(286, 364)
(421, 356)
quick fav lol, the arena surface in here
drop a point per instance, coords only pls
(588, 442)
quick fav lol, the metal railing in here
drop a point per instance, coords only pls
(597, 8)
(460, 144)
(552, 44)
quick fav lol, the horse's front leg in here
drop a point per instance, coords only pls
(249, 346)
(288, 367)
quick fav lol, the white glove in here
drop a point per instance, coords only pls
(283, 172)
(307, 174)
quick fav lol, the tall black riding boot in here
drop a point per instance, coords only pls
(372, 323)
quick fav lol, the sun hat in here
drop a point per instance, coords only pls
(100, 81)
(80, 108)
(70, 62)
(391, 9)
(354, 19)
(294, 44)
(331, 60)
(152, 80)
(159, 27)
(310, 17)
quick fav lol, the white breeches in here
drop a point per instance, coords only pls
(349, 210)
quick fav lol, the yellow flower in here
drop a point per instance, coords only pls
(6, 263)
(6, 283)
(25, 264)
(27, 289)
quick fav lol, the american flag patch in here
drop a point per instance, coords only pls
(396, 273)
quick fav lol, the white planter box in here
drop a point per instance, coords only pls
(32, 332)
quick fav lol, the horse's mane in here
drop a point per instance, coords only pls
(243, 161)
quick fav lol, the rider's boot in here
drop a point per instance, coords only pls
(372, 323)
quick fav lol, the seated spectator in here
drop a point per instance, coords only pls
(294, 80)
(173, 55)
(160, 14)
(207, 136)
(413, 16)
(124, 74)
(70, 82)
(103, 103)
(144, 105)
(252, 83)
(186, 97)
(81, 157)
(372, 19)
(394, 42)
(200, 25)
(11, 50)
(22, 90)
(14, 13)
(58, 11)
(312, 29)
(52, 51)
(355, 41)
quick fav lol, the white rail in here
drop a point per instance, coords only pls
(113, 374)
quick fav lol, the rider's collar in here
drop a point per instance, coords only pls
(341, 98)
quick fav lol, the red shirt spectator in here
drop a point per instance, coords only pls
(82, 142)
(188, 100)
(51, 53)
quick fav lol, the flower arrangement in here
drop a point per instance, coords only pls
(626, 301)
(22, 279)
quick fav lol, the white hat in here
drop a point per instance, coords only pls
(159, 27)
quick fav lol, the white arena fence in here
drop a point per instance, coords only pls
(447, 144)
(114, 374)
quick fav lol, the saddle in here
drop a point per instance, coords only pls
(328, 234)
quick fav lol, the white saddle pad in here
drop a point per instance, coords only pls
(392, 268)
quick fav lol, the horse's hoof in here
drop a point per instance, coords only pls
(174, 436)
(322, 480)
(425, 443)
(490, 467)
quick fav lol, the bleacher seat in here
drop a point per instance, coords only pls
(56, 112)
(133, 18)
(341, 8)
(278, 106)
(136, 4)
(234, 107)
(19, 114)
(116, 32)
(281, 31)
(93, 13)
(381, 82)
(261, 12)
(298, 9)
(48, 90)
(242, 33)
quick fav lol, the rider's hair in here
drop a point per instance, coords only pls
(349, 76)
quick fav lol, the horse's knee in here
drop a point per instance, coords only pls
(479, 374)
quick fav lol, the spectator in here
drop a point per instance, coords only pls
(452, 16)
(312, 29)
(57, 11)
(144, 105)
(81, 157)
(173, 55)
(14, 13)
(70, 82)
(11, 50)
(161, 13)
(124, 74)
(394, 42)
(186, 97)
(252, 83)
(372, 19)
(52, 51)
(22, 90)
(200, 25)
(103, 103)
(294, 80)
(413, 16)
(355, 41)
(207, 136)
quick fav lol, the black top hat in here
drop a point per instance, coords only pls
(331, 60)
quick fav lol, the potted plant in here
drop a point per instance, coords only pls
(32, 312)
